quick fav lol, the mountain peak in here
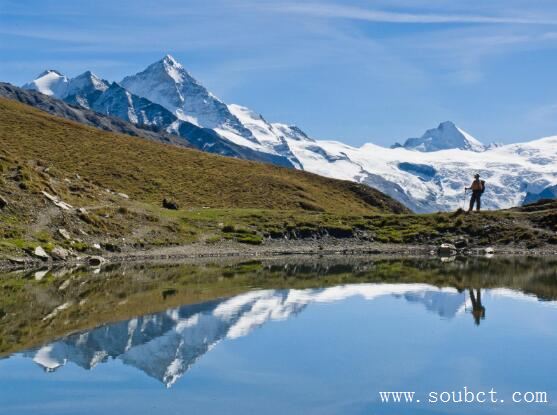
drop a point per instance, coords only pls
(85, 83)
(446, 136)
(86, 74)
(49, 82)
(50, 71)
(168, 83)
(170, 60)
(447, 124)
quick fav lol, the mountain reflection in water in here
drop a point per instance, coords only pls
(165, 345)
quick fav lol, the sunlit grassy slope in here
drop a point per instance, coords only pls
(149, 171)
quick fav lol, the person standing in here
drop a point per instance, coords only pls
(477, 187)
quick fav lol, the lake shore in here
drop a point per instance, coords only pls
(273, 248)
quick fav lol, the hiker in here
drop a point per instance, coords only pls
(477, 187)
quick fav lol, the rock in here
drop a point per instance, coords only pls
(39, 252)
(57, 201)
(111, 247)
(95, 261)
(123, 195)
(489, 251)
(39, 275)
(15, 260)
(169, 204)
(97, 246)
(446, 250)
(64, 234)
(64, 285)
(60, 253)
(3, 202)
(461, 243)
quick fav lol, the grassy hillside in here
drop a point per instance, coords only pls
(149, 171)
(115, 185)
(109, 188)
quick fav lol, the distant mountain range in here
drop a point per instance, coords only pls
(426, 173)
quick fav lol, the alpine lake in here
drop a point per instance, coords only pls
(289, 335)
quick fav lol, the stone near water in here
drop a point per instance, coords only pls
(95, 261)
(39, 252)
(60, 253)
(461, 243)
(446, 250)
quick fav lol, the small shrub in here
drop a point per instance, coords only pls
(228, 228)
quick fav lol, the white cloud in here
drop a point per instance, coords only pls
(371, 15)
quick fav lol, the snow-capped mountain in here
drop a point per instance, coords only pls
(92, 92)
(49, 82)
(167, 83)
(166, 345)
(229, 139)
(446, 136)
(426, 174)
(84, 90)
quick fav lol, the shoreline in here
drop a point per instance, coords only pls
(271, 248)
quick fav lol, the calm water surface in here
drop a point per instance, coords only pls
(304, 338)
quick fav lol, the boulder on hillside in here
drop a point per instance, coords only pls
(169, 204)
(65, 234)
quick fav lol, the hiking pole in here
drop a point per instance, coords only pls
(464, 200)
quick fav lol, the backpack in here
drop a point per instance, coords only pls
(482, 182)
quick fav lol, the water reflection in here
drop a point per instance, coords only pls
(478, 310)
(296, 336)
(165, 345)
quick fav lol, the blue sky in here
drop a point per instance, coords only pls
(356, 71)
